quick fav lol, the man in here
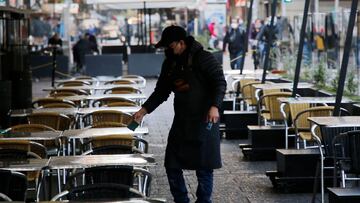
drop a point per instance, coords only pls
(80, 49)
(235, 38)
(55, 40)
(197, 80)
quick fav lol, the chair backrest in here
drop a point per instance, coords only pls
(83, 77)
(13, 185)
(127, 140)
(29, 128)
(108, 125)
(248, 92)
(295, 109)
(121, 82)
(73, 91)
(24, 145)
(44, 101)
(274, 104)
(54, 120)
(266, 100)
(58, 105)
(301, 121)
(110, 174)
(98, 117)
(123, 90)
(101, 192)
(114, 149)
(74, 83)
(137, 78)
(61, 94)
(110, 100)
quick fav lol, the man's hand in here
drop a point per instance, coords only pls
(138, 116)
(213, 115)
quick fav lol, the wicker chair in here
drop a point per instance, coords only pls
(123, 90)
(236, 93)
(303, 126)
(38, 149)
(83, 77)
(74, 83)
(272, 107)
(44, 101)
(121, 140)
(137, 78)
(29, 128)
(102, 116)
(126, 175)
(98, 192)
(113, 101)
(248, 94)
(56, 92)
(51, 145)
(109, 125)
(54, 120)
(121, 82)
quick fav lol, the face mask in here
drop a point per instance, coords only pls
(234, 25)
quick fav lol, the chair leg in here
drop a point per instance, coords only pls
(316, 183)
(343, 177)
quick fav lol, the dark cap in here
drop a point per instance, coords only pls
(171, 34)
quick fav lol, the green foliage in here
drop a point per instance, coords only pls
(320, 74)
(335, 82)
(351, 84)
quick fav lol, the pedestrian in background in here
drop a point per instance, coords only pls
(235, 39)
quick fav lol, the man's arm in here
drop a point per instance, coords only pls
(161, 92)
(213, 71)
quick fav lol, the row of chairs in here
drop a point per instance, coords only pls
(51, 102)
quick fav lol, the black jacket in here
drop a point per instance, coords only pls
(198, 82)
(236, 40)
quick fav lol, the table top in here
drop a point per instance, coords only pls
(336, 121)
(282, 86)
(96, 132)
(26, 112)
(24, 165)
(95, 87)
(45, 135)
(70, 162)
(100, 96)
(125, 109)
(312, 100)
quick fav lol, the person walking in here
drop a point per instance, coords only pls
(197, 80)
(235, 38)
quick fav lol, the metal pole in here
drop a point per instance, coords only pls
(145, 31)
(268, 45)
(150, 40)
(54, 67)
(345, 61)
(336, 6)
(301, 47)
(246, 39)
